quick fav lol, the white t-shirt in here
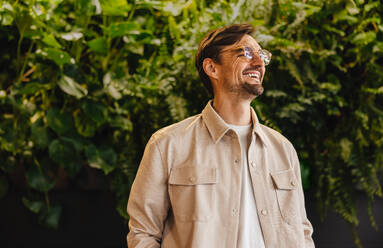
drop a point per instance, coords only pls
(249, 230)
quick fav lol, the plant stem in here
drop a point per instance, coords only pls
(21, 74)
(19, 45)
(131, 14)
(46, 196)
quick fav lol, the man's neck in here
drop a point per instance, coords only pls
(233, 111)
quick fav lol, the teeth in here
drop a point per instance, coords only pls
(253, 75)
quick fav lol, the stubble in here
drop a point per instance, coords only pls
(245, 90)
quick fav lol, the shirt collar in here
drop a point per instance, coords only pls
(217, 126)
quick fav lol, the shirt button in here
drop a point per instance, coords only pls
(264, 212)
(253, 164)
(235, 212)
(293, 183)
(287, 219)
(192, 179)
(236, 161)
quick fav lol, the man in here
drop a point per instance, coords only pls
(220, 179)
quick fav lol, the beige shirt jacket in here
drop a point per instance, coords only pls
(188, 187)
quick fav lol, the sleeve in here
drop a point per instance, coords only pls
(148, 203)
(307, 227)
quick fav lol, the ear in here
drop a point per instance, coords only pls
(210, 68)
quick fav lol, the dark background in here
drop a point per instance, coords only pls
(90, 220)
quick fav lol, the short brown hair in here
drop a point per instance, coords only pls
(212, 44)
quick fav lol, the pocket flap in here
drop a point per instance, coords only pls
(193, 176)
(284, 179)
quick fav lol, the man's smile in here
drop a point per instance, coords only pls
(254, 74)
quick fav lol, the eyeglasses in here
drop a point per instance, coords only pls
(250, 54)
(262, 53)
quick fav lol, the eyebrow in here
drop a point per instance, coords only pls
(239, 49)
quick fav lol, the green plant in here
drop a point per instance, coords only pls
(329, 82)
(85, 83)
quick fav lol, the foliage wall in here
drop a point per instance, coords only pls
(86, 82)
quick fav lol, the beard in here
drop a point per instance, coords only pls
(245, 90)
(252, 89)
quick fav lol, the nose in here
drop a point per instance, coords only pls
(256, 60)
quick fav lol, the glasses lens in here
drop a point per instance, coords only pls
(265, 56)
(248, 53)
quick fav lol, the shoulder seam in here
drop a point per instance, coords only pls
(161, 156)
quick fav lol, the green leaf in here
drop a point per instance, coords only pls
(123, 28)
(98, 45)
(371, 6)
(333, 29)
(65, 154)
(281, 42)
(112, 86)
(115, 7)
(364, 38)
(311, 9)
(38, 181)
(96, 4)
(377, 91)
(276, 94)
(85, 126)
(39, 134)
(86, 8)
(173, 8)
(378, 47)
(104, 159)
(23, 20)
(96, 111)
(173, 28)
(33, 206)
(121, 122)
(72, 36)
(76, 142)
(330, 87)
(136, 48)
(58, 56)
(291, 111)
(71, 87)
(10, 139)
(50, 40)
(51, 216)
(58, 121)
(346, 147)
(294, 71)
(112, 91)
(343, 15)
(32, 88)
(351, 7)
(6, 14)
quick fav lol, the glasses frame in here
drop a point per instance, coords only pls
(249, 53)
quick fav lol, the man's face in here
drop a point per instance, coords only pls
(239, 74)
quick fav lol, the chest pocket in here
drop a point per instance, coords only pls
(192, 192)
(286, 185)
